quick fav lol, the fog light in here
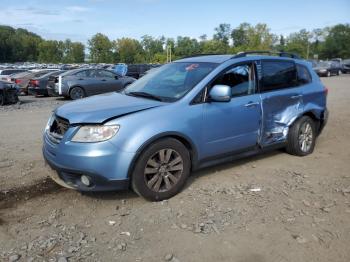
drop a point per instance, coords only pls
(85, 180)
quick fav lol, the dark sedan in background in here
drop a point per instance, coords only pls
(38, 86)
(139, 70)
(327, 68)
(79, 83)
(8, 93)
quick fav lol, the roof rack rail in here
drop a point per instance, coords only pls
(201, 55)
(281, 54)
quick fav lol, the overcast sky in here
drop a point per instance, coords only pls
(80, 19)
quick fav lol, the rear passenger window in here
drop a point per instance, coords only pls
(240, 78)
(278, 75)
(304, 76)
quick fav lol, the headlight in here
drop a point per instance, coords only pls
(323, 70)
(95, 133)
(49, 123)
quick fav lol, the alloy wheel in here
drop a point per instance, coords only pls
(305, 137)
(77, 93)
(163, 170)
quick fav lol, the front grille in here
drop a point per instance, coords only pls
(57, 129)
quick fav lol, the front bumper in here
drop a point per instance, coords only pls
(106, 166)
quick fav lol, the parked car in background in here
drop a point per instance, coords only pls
(38, 86)
(8, 93)
(346, 66)
(186, 115)
(22, 79)
(139, 70)
(5, 74)
(79, 83)
(327, 68)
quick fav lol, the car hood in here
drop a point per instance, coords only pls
(99, 109)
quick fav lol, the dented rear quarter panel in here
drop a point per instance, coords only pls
(281, 108)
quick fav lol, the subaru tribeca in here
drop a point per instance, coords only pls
(185, 115)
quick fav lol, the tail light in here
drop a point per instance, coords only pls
(34, 83)
(326, 90)
(18, 81)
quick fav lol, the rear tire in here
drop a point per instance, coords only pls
(302, 137)
(161, 170)
(2, 99)
(76, 93)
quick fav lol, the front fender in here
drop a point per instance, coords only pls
(139, 129)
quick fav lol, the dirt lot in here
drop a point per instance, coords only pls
(302, 212)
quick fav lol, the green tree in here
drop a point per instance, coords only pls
(73, 52)
(152, 46)
(239, 35)
(50, 51)
(299, 43)
(129, 50)
(186, 46)
(337, 42)
(100, 48)
(222, 33)
(214, 47)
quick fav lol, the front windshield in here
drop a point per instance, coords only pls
(170, 82)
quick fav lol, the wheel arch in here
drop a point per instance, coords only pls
(186, 141)
(313, 115)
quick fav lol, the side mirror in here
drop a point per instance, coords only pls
(220, 93)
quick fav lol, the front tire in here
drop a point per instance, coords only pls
(76, 93)
(161, 170)
(302, 137)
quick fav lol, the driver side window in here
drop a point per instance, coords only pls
(240, 78)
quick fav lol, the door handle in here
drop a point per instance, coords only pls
(251, 104)
(295, 96)
(103, 80)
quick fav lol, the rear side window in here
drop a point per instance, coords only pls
(278, 75)
(304, 76)
(85, 73)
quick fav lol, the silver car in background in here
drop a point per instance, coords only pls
(80, 83)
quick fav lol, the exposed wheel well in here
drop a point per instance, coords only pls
(313, 117)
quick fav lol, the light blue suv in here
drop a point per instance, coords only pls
(186, 115)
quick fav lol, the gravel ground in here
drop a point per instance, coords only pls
(272, 207)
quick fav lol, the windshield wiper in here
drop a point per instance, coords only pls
(144, 94)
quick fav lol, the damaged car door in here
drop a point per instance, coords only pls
(234, 125)
(281, 96)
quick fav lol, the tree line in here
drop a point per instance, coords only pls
(18, 45)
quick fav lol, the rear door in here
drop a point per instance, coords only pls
(282, 98)
(88, 81)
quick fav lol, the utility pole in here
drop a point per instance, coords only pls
(168, 54)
